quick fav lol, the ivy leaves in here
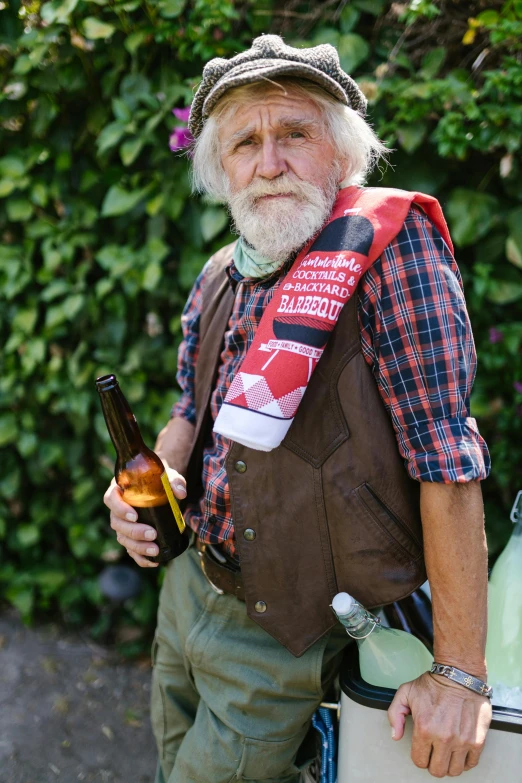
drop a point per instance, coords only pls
(100, 242)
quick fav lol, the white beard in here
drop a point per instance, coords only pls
(278, 228)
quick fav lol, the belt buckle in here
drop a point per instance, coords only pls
(201, 555)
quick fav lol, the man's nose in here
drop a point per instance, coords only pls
(271, 162)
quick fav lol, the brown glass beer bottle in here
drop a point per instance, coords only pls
(141, 475)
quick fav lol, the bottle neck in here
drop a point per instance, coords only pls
(359, 623)
(121, 423)
(516, 536)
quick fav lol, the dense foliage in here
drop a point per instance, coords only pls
(101, 240)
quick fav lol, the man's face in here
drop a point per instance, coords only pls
(280, 134)
(282, 171)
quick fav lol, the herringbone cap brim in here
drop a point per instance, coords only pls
(269, 58)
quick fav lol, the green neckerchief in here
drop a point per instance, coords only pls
(250, 263)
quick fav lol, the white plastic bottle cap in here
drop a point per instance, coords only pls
(342, 604)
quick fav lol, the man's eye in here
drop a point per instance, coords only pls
(296, 135)
(245, 143)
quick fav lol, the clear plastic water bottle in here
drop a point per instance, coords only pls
(387, 657)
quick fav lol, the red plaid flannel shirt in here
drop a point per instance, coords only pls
(416, 337)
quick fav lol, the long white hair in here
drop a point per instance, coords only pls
(358, 148)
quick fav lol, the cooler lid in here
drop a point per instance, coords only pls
(353, 686)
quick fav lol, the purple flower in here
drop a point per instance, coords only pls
(182, 114)
(179, 139)
(518, 386)
(495, 335)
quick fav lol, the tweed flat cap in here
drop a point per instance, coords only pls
(268, 58)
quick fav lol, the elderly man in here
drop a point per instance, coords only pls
(323, 436)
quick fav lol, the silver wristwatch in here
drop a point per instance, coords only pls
(463, 678)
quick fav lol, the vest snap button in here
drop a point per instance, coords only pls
(249, 534)
(240, 466)
(260, 607)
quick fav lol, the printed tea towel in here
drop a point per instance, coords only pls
(264, 396)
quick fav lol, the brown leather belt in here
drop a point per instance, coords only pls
(222, 575)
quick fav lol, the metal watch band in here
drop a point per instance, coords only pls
(463, 678)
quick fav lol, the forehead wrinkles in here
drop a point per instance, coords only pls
(286, 105)
(288, 122)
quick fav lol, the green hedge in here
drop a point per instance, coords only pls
(101, 240)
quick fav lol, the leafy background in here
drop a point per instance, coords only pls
(101, 239)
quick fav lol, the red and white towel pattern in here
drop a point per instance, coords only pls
(265, 394)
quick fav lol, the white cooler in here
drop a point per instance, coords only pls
(367, 753)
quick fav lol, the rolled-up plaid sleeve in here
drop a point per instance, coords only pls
(417, 338)
(188, 351)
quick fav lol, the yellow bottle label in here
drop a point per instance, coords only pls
(178, 516)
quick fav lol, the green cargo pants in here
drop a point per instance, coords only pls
(228, 701)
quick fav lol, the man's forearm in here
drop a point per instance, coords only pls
(456, 561)
(174, 443)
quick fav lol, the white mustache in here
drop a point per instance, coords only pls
(282, 186)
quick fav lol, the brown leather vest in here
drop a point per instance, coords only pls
(333, 507)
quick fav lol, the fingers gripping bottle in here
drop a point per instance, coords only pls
(387, 657)
(141, 475)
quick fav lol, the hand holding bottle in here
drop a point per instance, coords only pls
(142, 491)
(137, 538)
